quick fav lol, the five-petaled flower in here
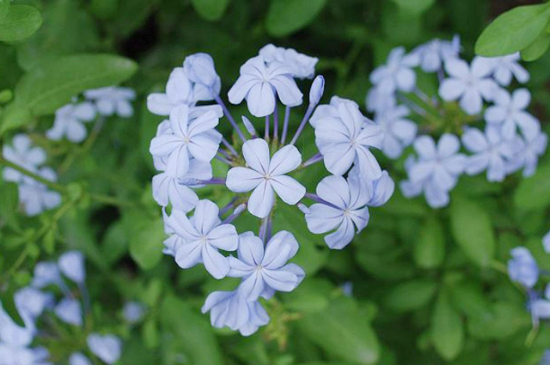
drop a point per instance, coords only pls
(266, 176)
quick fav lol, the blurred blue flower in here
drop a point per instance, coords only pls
(523, 268)
(399, 132)
(107, 348)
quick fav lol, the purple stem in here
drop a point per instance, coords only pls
(313, 160)
(309, 111)
(266, 135)
(269, 228)
(229, 146)
(213, 181)
(224, 160)
(224, 153)
(317, 199)
(263, 229)
(241, 208)
(228, 116)
(276, 123)
(228, 207)
(421, 95)
(285, 125)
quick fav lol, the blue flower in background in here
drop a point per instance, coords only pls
(523, 268)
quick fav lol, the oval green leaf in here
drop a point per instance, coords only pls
(429, 249)
(210, 10)
(534, 193)
(513, 31)
(47, 87)
(288, 16)
(447, 328)
(411, 295)
(20, 22)
(472, 230)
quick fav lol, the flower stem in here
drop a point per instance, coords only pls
(228, 115)
(229, 146)
(303, 123)
(224, 160)
(285, 125)
(313, 160)
(52, 185)
(228, 207)
(266, 135)
(276, 124)
(317, 199)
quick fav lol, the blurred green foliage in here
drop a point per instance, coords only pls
(429, 287)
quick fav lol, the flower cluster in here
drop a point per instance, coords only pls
(34, 196)
(523, 269)
(39, 300)
(105, 102)
(260, 172)
(468, 95)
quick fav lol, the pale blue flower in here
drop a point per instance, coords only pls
(330, 110)
(13, 334)
(71, 264)
(509, 112)
(300, 65)
(378, 100)
(523, 268)
(436, 197)
(69, 122)
(469, 84)
(46, 273)
(343, 210)
(266, 176)
(35, 197)
(441, 164)
(31, 302)
(133, 312)
(528, 147)
(77, 358)
(195, 138)
(506, 67)
(262, 84)
(69, 311)
(107, 348)
(22, 153)
(545, 358)
(546, 242)
(399, 132)
(397, 73)
(200, 69)
(490, 152)
(346, 139)
(231, 309)
(265, 270)
(179, 91)
(434, 53)
(112, 100)
(169, 189)
(202, 236)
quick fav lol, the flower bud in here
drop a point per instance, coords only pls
(317, 89)
(249, 127)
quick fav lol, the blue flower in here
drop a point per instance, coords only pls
(523, 268)
(265, 271)
(546, 242)
(201, 237)
(529, 148)
(399, 132)
(491, 152)
(261, 84)
(107, 348)
(231, 309)
(346, 139)
(266, 176)
(397, 73)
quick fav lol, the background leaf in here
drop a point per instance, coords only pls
(534, 192)
(20, 22)
(513, 30)
(288, 16)
(472, 230)
(447, 329)
(211, 10)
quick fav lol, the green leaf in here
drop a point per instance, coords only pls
(148, 124)
(193, 331)
(343, 331)
(20, 22)
(513, 31)
(288, 16)
(48, 87)
(414, 7)
(4, 9)
(210, 9)
(146, 242)
(534, 193)
(9, 196)
(472, 230)
(411, 295)
(8, 304)
(536, 49)
(14, 116)
(504, 320)
(313, 296)
(429, 249)
(447, 329)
